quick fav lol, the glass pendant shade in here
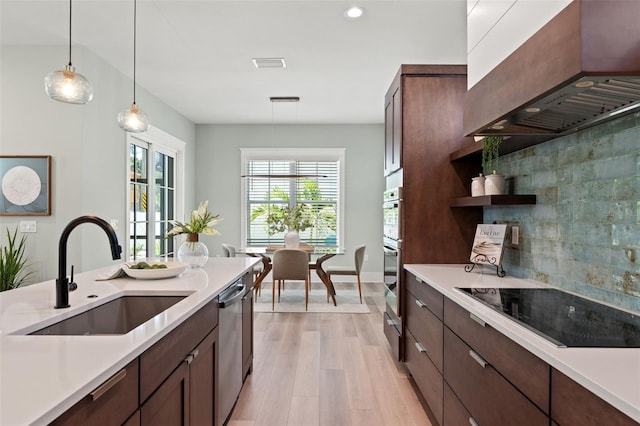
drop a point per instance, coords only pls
(68, 86)
(133, 120)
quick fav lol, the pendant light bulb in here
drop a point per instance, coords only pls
(133, 120)
(67, 85)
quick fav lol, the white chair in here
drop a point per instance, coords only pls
(230, 251)
(290, 264)
(341, 270)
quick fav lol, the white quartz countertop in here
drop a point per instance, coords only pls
(611, 373)
(43, 376)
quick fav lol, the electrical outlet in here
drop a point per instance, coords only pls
(114, 223)
(28, 226)
(515, 236)
(366, 257)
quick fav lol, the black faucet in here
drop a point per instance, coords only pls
(62, 283)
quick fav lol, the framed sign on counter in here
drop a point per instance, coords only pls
(25, 185)
(488, 247)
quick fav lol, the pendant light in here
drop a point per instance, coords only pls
(133, 119)
(67, 85)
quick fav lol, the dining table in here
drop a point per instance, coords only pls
(323, 254)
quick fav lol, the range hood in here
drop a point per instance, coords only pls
(581, 69)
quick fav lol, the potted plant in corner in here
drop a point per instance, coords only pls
(14, 270)
(493, 182)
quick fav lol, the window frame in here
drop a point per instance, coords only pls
(294, 154)
(155, 140)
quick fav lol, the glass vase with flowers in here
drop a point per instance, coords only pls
(193, 251)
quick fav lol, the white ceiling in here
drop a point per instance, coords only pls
(196, 55)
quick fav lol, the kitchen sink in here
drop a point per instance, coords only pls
(119, 316)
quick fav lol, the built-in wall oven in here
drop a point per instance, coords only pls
(392, 244)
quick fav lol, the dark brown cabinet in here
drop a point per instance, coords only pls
(174, 382)
(572, 404)
(111, 403)
(424, 342)
(488, 396)
(423, 124)
(393, 129)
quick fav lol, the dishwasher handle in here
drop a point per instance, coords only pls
(231, 296)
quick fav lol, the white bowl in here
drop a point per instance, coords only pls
(172, 269)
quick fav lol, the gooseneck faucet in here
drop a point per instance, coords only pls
(62, 283)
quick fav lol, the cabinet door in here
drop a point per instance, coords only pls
(573, 404)
(488, 396)
(426, 375)
(247, 332)
(169, 404)
(202, 380)
(109, 404)
(393, 129)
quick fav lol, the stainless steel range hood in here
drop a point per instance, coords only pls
(581, 69)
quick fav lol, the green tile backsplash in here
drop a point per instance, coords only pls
(583, 234)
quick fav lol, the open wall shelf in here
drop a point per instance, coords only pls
(493, 200)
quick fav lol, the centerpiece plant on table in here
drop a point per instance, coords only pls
(193, 251)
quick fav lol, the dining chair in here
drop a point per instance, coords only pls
(230, 251)
(290, 264)
(312, 264)
(342, 270)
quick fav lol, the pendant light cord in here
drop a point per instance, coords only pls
(70, 33)
(135, 12)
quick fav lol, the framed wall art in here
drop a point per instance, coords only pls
(25, 185)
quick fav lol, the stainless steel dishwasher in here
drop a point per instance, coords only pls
(230, 352)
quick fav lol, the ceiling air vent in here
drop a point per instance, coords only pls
(269, 63)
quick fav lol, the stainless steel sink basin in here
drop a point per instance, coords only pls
(118, 316)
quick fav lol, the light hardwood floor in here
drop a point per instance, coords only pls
(326, 370)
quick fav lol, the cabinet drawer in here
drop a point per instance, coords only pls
(157, 363)
(426, 376)
(392, 333)
(455, 413)
(109, 404)
(425, 293)
(526, 371)
(573, 404)
(488, 396)
(426, 329)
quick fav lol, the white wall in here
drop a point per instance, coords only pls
(90, 157)
(495, 28)
(218, 180)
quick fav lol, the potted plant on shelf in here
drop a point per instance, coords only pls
(493, 182)
(14, 270)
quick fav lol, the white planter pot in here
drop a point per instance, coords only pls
(477, 186)
(292, 239)
(494, 184)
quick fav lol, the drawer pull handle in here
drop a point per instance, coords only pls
(476, 319)
(420, 347)
(189, 359)
(420, 303)
(195, 353)
(472, 421)
(106, 386)
(478, 358)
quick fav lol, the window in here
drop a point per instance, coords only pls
(153, 195)
(313, 180)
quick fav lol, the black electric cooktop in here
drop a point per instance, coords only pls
(564, 319)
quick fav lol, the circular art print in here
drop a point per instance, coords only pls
(21, 185)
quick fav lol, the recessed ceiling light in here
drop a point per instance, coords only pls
(584, 83)
(269, 62)
(532, 109)
(354, 12)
